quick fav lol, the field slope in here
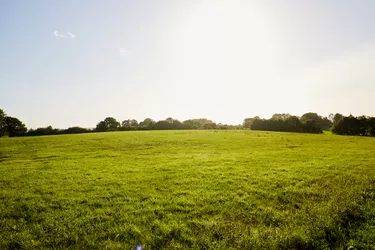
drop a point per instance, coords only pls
(187, 190)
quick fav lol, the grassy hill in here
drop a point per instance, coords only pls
(187, 190)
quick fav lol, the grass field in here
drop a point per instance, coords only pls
(187, 190)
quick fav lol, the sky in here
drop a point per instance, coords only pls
(74, 63)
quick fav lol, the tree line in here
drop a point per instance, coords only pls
(11, 126)
(111, 124)
(307, 123)
(350, 125)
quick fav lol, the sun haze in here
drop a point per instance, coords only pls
(76, 62)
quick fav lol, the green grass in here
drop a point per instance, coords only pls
(187, 190)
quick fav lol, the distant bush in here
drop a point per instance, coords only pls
(75, 130)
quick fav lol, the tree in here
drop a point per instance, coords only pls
(13, 127)
(101, 127)
(209, 125)
(311, 127)
(280, 116)
(195, 123)
(175, 124)
(162, 125)
(168, 124)
(362, 125)
(43, 131)
(169, 120)
(258, 124)
(324, 123)
(335, 118)
(109, 124)
(293, 124)
(225, 126)
(331, 116)
(146, 124)
(2, 116)
(134, 123)
(75, 130)
(288, 124)
(129, 125)
(347, 126)
(371, 126)
(310, 116)
(351, 125)
(247, 122)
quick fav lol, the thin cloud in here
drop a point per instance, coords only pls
(72, 36)
(69, 35)
(123, 51)
(59, 35)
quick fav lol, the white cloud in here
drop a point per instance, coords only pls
(64, 36)
(59, 35)
(72, 36)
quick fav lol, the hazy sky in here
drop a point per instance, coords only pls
(66, 63)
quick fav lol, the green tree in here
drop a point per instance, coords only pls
(210, 125)
(134, 123)
(371, 126)
(349, 125)
(247, 122)
(310, 116)
(225, 126)
(323, 122)
(170, 120)
(257, 123)
(311, 127)
(335, 118)
(129, 125)
(326, 123)
(280, 116)
(168, 124)
(195, 123)
(43, 131)
(362, 125)
(109, 124)
(75, 130)
(161, 125)
(101, 127)
(13, 127)
(2, 116)
(289, 124)
(293, 124)
(146, 124)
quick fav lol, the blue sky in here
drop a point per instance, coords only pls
(67, 63)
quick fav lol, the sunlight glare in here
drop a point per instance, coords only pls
(229, 48)
(226, 41)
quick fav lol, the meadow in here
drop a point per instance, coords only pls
(187, 190)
